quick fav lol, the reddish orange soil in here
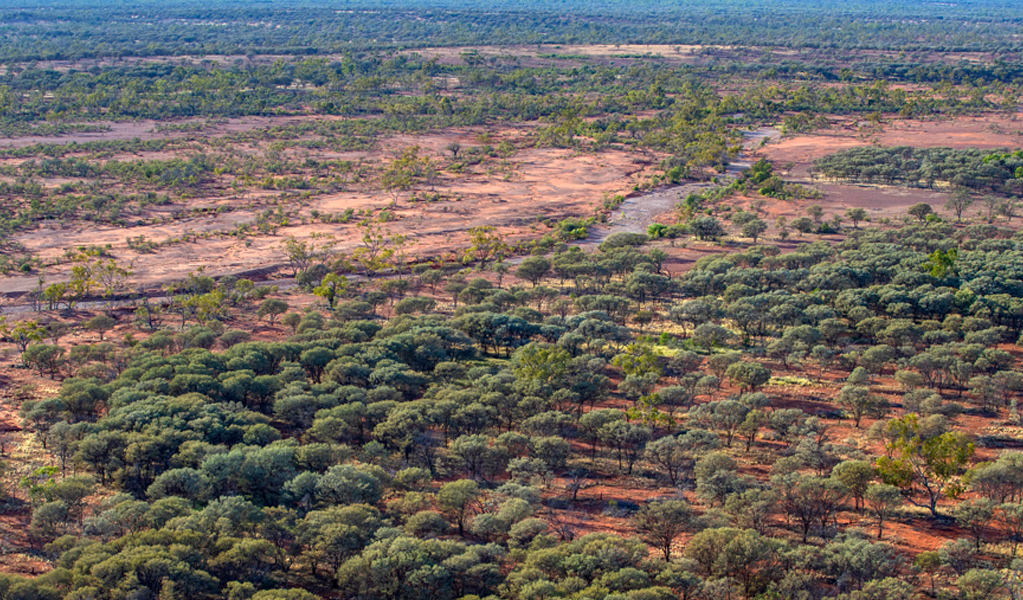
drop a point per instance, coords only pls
(514, 195)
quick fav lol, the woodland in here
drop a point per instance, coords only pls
(373, 301)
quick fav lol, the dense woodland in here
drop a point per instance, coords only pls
(432, 454)
(56, 30)
(973, 169)
(821, 407)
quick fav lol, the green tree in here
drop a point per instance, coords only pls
(857, 401)
(533, 269)
(980, 584)
(753, 229)
(1010, 516)
(855, 475)
(751, 559)
(100, 324)
(883, 501)
(485, 244)
(673, 455)
(706, 228)
(916, 457)
(920, 211)
(810, 500)
(44, 357)
(458, 499)
(856, 215)
(271, 308)
(315, 361)
(942, 263)
(958, 201)
(628, 439)
(331, 288)
(803, 225)
(975, 516)
(749, 376)
(404, 172)
(21, 333)
(546, 364)
(661, 523)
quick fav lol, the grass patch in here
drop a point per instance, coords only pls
(792, 380)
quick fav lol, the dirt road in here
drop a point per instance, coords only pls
(639, 212)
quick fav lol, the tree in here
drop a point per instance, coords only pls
(803, 225)
(414, 304)
(883, 501)
(458, 498)
(811, 500)
(331, 287)
(404, 172)
(824, 357)
(592, 424)
(72, 492)
(149, 315)
(485, 244)
(112, 278)
(349, 484)
(1009, 208)
(304, 254)
(856, 215)
(706, 228)
(478, 454)
(399, 567)
(858, 401)
(315, 361)
(752, 560)
(750, 427)
(920, 210)
(283, 594)
(377, 246)
(50, 520)
(975, 516)
(292, 320)
(1010, 516)
(44, 357)
(661, 523)
(816, 213)
(62, 440)
(855, 475)
(855, 562)
(958, 202)
(980, 584)
(100, 324)
(943, 263)
(58, 293)
(749, 376)
(21, 333)
(82, 398)
(533, 269)
(752, 509)
(992, 203)
(717, 478)
(753, 229)
(672, 455)
(725, 416)
(208, 307)
(628, 440)
(915, 456)
(546, 364)
(272, 308)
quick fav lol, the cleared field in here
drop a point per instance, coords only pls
(515, 195)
